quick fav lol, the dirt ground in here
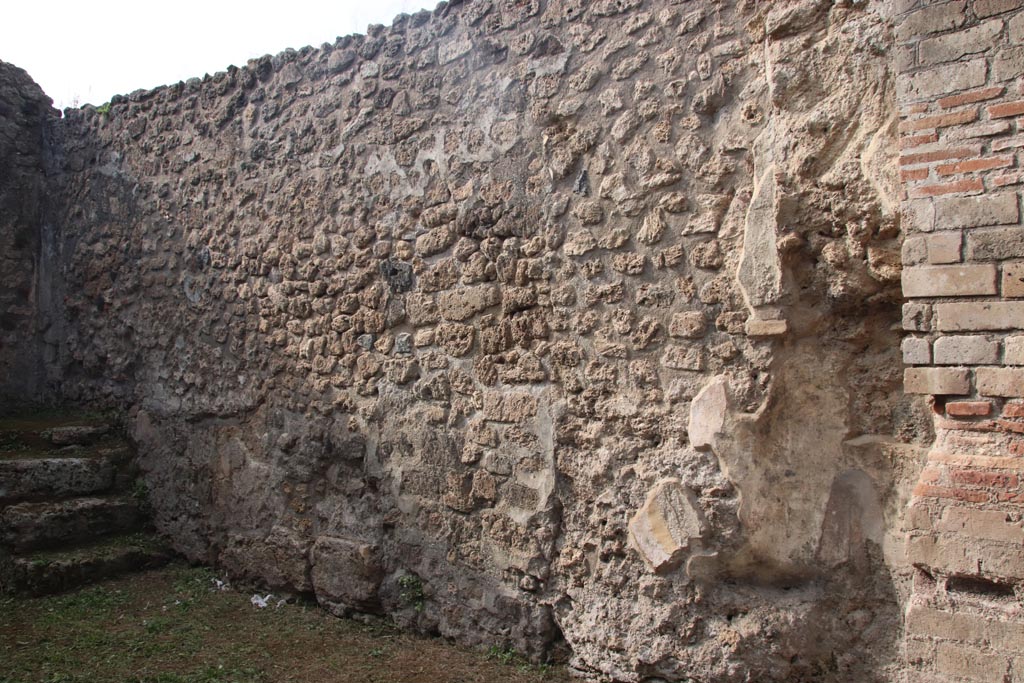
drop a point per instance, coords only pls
(175, 625)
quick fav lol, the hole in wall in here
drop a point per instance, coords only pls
(976, 585)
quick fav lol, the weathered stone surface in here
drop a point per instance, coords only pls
(935, 281)
(1013, 350)
(995, 315)
(965, 350)
(58, 477)
(983, 245)
(462, 304)
(707, 413)
(24, 111)
(759, 272)
(1007, 382)
(942, 79)
(916, 351)
(667, 525)
(346, 574)
(35, 525)
(756, 327)
(74, 434)
(937, 381)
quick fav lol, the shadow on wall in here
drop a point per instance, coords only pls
(522, 321)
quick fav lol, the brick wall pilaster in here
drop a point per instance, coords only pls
(960, 88)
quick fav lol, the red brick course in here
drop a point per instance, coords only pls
(971, 97)
(998, 111)
(968, 408)
(965, 495)
(973, 165)
(939, 121)
(960, 186)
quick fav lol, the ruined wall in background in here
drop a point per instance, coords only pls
(960, 102)
(23, 111)
(566, 326)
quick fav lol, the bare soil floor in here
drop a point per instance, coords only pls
(175, 625)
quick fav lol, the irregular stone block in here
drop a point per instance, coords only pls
(688, 325)
(509, 407)
(707, 413)
(666, 528)
(346, 574)
(1013, 350)
(993, 525)
(933, 19)
(683, 358)
(917, 317)
(760, 271)
(765, 328)
(280, 560)
(953, 46)
(462, 304)
(1004, 243)
(1008, 64)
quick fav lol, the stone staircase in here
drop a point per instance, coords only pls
(70, 510)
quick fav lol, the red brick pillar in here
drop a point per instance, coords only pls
(961, 105)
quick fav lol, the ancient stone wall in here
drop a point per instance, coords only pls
(572, 326)
(959, 92)
(23, 110)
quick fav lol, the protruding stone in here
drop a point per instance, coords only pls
(707, 413)
(760, 271)
(664, 530)
(346, 573)
(755, 327)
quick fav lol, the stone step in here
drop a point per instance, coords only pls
(41, 524)
(68, 472)
(39, 433)
(40, 573)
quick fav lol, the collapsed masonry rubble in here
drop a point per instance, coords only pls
(581, 318)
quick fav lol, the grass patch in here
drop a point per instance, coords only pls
(174, 626)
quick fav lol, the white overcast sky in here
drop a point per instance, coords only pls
(81, 51)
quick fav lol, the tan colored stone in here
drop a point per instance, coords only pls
(707, 413)
(1013, 350)
(966, 317)
(760, 271)
(965, 350)
(993, 525)
(936, 281)
(937, 381)
(916, 351)
(755, 327)
(1005, 382)
(1013, 280)
(664, 530)
(462, 304)
(944, 247)
(509, 407)
(688, 325)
